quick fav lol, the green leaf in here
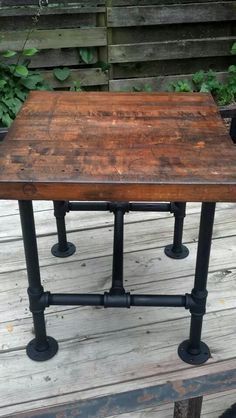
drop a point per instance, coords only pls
(2, 83)
(9, 54)
(20, 94)
(30, 52)
(87, 54)
(31, 81)
(204, 88)
(61, 74)
(232, 69)
(13, 104)
(21, 71)
(233, 49)
(198, 78)
(6, 120)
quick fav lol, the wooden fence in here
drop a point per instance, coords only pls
(130, 43)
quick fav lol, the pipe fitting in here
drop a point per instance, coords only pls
(117, 301)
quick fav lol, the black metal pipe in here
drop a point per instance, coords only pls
(75, 299)
(199, 291)
(30, 244)
(106, 206)
(63, 248)
(158, 300)
(233, 129)
(178, 230)
(59, 213)
(93, 206)
(204, 245)
(151, 207)
(118, 248)
(33, 271)
(116, 300)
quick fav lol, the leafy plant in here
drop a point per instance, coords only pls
(76, 86)
(16, 80)
(233, 49)
(224, 92)
(180, 86)
(146, 88)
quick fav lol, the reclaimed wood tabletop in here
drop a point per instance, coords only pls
(118, 146)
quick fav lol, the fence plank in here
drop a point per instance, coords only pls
(59, 38)
(154, 2)
(170, 50)
(87, 77)
(57, 21)
(170, 67)
(50, 10)
(164, 15)
(161, 83)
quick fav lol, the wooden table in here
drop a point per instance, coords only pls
(114, 151)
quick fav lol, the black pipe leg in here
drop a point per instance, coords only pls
(42, 347)
(193, 350)
(232, 131)
(63, 248)
(118, 248)
(177, 250)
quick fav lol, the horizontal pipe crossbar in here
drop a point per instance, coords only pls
(122, 300)
(108, 206)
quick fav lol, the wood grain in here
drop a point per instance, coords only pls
(118, 146)
(170, 14)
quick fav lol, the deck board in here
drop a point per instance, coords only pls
(105, 352)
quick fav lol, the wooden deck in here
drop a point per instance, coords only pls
(103, 352)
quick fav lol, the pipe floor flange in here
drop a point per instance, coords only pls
(63, 254)
(178, 255)
(191, 358)
(43, 355)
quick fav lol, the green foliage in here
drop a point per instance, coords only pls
(62, 74)
(105, 66)
(180, 86)
(76, 86)
(16, 80)
(29, 52)
(224, 92)
(233, 49)
(87, 54)
(146, 88)
(9, 54)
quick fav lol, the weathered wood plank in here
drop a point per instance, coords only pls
(154, 2)
(59, 38)
(170, 50)
(49, 21)
(10, 229)
(140, 360)
(161, 83)
(60, 57)
(213, 406)
(165, 15)
(169, 67)
(52, 9)
(99, 243)
(87, 77)
(61, 3)
(99, 328)
(80, 277)
(161, 33)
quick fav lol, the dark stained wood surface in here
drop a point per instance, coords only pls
(118, 146)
